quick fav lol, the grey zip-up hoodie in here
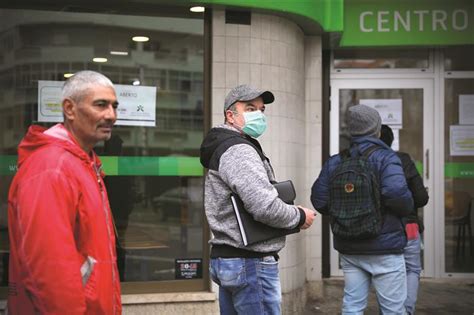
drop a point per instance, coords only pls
(242, 171)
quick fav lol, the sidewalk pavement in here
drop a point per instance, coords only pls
(435, 296)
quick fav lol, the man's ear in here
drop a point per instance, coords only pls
(229, 116)
(69, 109)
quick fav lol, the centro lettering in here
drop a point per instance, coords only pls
(440, 20)
(128, 94)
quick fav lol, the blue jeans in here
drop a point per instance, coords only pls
(249, 286)
(385, 272)
(413, 269)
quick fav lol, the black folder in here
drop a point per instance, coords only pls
(253, 231)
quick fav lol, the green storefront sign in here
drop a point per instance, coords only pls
(327, 13)
(401, 23)
(378, 22)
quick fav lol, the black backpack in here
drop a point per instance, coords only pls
(354, 197)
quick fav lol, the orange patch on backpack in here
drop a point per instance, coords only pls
(349, 187)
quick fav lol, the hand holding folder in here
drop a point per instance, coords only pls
(253, 231)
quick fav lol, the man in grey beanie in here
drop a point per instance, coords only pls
(377, 259)
(237, 164)
(364, 121)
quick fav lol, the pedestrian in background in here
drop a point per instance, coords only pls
(62, 243)
(376, 260)
(413, 224)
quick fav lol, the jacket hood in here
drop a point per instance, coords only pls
(38, 137)
(365, 141)
(214, 138)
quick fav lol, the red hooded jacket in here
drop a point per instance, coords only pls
(62, 243)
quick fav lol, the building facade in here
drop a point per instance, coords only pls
(411, 60)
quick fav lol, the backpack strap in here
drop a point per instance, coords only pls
(370, 150)
(367, 152)
(346, 153)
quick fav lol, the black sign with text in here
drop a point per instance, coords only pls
(188, 268)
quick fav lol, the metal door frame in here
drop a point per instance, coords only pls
(431, 266)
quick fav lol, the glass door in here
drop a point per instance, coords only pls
(407, 106)
(459, 175)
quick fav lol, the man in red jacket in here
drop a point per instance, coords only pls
(62, 243)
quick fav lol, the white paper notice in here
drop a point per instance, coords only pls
(49, 101)
(461, 140)
(137, 104)
(466, 109)
(390, 110)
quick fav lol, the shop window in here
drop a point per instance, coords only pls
(459, 58)
(156, 183)
(381, 59)
(459, 175)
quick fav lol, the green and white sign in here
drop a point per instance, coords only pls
(412, 23)
(327, 13)
(137, 104)
(365, 23)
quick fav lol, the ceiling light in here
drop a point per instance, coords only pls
(68, 75)
(119, 53)
(140, 38)
(99, 59)
(197, 9)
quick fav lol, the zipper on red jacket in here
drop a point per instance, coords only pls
(104, 206)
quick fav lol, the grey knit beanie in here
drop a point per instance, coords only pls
(364, 121)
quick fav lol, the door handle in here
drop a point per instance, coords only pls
(427, 168)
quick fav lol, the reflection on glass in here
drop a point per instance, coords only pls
(459, 58)
(4, 246)
(155, 188)
(156, 226)
(381, 59)
(459, 187)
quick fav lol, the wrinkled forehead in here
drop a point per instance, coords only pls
(99, 91)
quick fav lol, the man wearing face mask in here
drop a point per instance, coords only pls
(237, 165)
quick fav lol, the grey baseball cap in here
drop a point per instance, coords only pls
(247, 93)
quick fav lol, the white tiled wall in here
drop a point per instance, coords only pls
(313, 147)
(273, 53)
